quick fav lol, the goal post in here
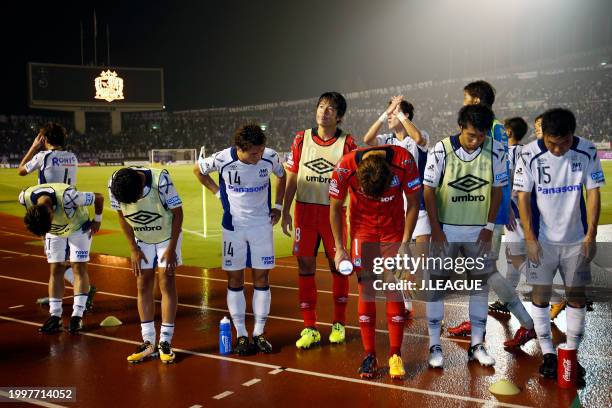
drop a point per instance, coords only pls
(166, 157)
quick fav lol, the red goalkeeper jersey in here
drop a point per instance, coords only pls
(383, 214)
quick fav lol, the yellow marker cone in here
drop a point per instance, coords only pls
(111, 321)
(504, 387)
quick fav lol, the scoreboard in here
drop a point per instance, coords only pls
(68, 87)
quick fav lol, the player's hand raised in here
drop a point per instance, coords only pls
(171, 260)
(136, 257)
(275, 216)
(395, 101)
(287, 224)
(39, 141)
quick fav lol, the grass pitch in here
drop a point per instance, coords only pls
(197, 250)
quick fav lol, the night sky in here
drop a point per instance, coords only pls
(228, 53)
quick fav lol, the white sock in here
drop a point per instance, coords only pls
(78, 307)
(435, 314)
(55, 307)
(478, 310)
(262, 297)
(166, 332)
(541, 323)
(575, 325)
(68, 275)
(236, 303)
(147, 329)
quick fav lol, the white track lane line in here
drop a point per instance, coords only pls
(216, 309)
(297, 371)
(464, 305)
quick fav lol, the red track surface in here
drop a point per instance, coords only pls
(94, 362)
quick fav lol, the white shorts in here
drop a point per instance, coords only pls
(73, 248)
(155, 252)
(462, 243)
(422, 225)
(567, 259)
(249, 247)
(515, 240)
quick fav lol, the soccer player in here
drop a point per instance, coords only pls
(58, 211)
(151, 216)
(481, 92)
(248, 217)
(516, 129)
(557, 302)
(560, 228)
(314, 153)
(399, 116)
(54, 165)
(537, 126)
(376, 179)
(463, 184)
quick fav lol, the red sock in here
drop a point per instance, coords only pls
(308, 299)
(340, 288)
(367, 324)
(395, 325)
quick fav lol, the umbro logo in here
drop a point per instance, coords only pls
(263, 172)
(468, 183)
(320, 165)
(143, 217)
(57, 229)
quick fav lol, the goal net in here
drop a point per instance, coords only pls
(172, 156)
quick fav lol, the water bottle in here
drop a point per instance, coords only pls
(225, 336)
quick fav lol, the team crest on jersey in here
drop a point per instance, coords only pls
(341, 171)
(576, 166)
(263, 172)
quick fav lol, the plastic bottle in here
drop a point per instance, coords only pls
(225, 336)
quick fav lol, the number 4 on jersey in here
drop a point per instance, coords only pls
(235, 177)
(228, 250)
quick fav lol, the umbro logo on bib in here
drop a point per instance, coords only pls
(319, 166)
(57, 229)
(143, 217)
(468, 183)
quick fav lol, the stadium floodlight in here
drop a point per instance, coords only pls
(166, 157)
